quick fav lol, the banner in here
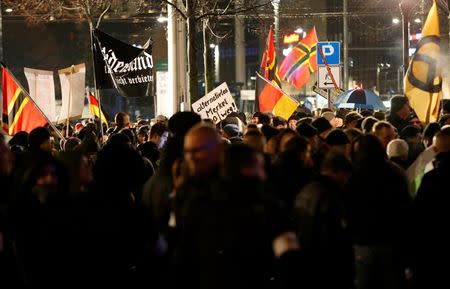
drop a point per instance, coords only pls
(72, 81)
(41, 86)
(216, 105)
(122, 66)
(19, 113)
(162, 93)
(298, 65)
(423, 80)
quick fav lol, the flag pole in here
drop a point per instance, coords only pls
(32, 101)
(70, 100)
(276, 87)
(336, 87)
(97, 91)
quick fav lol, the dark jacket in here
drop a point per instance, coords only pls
(431, 220)
(378, 204)
(288, 176)
(325, 244)
(226, 232)
(150, 151)
(397, 122)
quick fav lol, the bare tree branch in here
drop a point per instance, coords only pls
(228, 7)
(175, 6)
(102, 15)
(231, 12)
(70, 8)
(216, 35)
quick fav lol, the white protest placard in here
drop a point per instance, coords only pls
(42, 90)
(216, 105)
(72, 81)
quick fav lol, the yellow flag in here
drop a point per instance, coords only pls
(423, 81)
(285, 107)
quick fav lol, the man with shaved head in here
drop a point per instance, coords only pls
(194, 181)
(202, 150)
(432, 218)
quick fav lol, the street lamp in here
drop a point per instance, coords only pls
(162, 19)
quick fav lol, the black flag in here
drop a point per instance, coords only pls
(122, 66)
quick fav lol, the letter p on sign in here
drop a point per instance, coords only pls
(331, 51)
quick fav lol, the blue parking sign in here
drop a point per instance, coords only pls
(331, 51)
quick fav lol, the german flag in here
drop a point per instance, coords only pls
(298, 65)
(94, 107)
(273, 99)
(269, 96)
(18, 111)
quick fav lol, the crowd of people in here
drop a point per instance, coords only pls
(330, 199)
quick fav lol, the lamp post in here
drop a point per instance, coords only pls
(406, 9)
(345, 42)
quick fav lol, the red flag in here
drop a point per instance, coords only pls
(298, 65)
(266, 95)
(18, 111)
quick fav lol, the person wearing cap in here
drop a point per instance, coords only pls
(397, 152)
(142, 134)
(310, 133)
(400, 112)
(338, 141)
(231, 132)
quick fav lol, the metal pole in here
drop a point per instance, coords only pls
(329, 97)
(33, 102)
(276, 13)
(1, 32)
(405, 8)
(345, 44)
(171, 106)
(239, 44)
(448, 19)
(97, 91)
(70, 100)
